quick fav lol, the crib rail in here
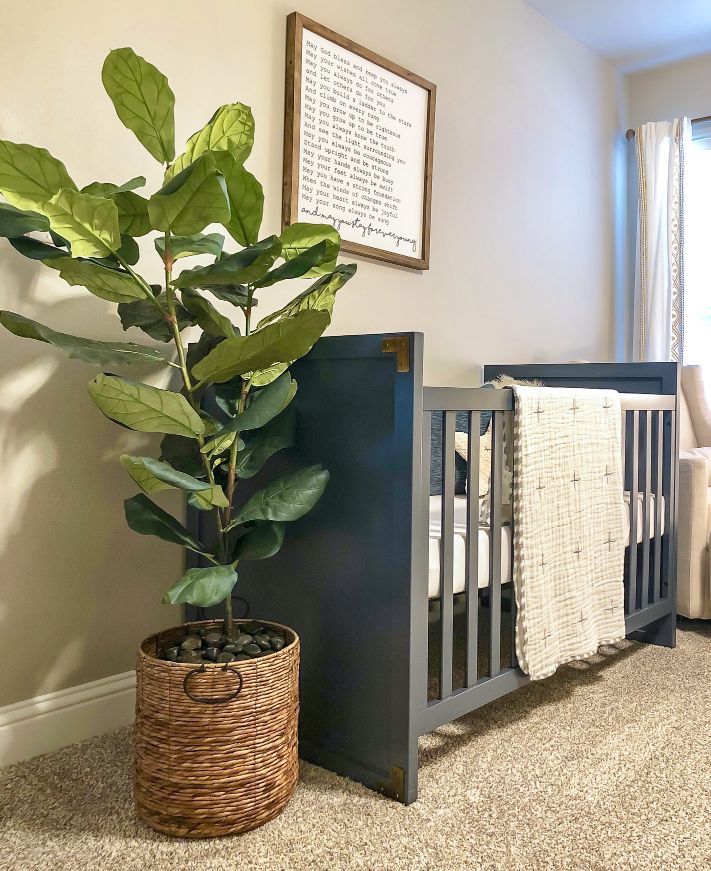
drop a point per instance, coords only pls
(649, 461)
(649, 452)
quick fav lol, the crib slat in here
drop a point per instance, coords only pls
(646, 506)
(446, 569)
(632, 548)
(512, 594)
(623, 439)
(472, 553)
(658, 505)
(508, 438)
(497, 446)
(669, 499)
(420, 595)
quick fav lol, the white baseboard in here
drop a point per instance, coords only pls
(48, 722)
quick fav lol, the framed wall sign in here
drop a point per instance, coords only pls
(358, 140)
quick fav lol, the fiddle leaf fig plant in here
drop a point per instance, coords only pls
(88, 235)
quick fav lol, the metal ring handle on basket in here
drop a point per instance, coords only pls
(218, 700)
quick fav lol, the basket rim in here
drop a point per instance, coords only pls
(155, 639)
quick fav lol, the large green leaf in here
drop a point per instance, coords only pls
(145, 408)
(228, 395)
(230, 129)
(299, 237)
(206, 315)
(319, 297)
(145, 517)
(89, 224)
(128, 252)
(219, 444)
(146, 316)
(244, 267)
(282, 342)
(194, 198)
(133, 213)
(235, 294)
(143, 101)
(145, 479)
(246, 199)
(202, 587)
(59, 241)
(200, 349)
(262, 377)
(261, 542)
(108, 189)
(30, 176)
(183, 454)
(16, 222)
(36, 250)
(132, 207)
(206, 500)
(100, 280)
(275, 436)
(186, 246)
(88, 350)
(151, 475)
(265, 405)
(303, 264)
(287, 498)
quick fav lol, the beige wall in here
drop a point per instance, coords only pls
(522, 260)
(670, 91)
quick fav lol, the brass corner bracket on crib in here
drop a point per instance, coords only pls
(400, 346)
(395, 787)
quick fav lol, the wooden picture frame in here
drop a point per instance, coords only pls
(297, 24)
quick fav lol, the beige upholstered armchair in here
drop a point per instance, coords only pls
(694, 569)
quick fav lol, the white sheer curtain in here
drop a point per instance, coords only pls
(659, 274)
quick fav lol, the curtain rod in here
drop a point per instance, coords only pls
(630, 135)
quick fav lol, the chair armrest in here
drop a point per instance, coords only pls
(692, 556)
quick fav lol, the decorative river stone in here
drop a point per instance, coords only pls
(210, 645)
(192, 642)
(262, 641)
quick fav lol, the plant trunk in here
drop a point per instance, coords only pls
(229, 623)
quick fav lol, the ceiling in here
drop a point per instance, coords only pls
(634, 34)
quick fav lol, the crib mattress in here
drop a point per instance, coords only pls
(460, 539)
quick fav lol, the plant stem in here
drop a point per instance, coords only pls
(229, 624)
(232, 466)
(173, 321)
(141, 282)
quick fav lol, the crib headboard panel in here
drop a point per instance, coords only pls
(342, 579)
(660, 378)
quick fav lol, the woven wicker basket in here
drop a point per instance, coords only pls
(224, 765)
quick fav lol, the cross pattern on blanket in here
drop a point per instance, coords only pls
(569, 525)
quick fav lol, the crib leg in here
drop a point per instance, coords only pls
(661, 632)
(402, 783)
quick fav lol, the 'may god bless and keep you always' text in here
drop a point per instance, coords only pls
(362, 148)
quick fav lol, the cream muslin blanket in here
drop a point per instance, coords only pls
(569, 525)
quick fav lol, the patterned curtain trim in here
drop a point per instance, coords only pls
(642, 241)
(684, 136)
(677, 246)
(676, 242)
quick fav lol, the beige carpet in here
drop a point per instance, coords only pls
(604, 766)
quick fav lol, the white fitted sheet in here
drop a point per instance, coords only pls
(460, 539)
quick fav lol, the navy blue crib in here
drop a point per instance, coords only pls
(384, 661)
